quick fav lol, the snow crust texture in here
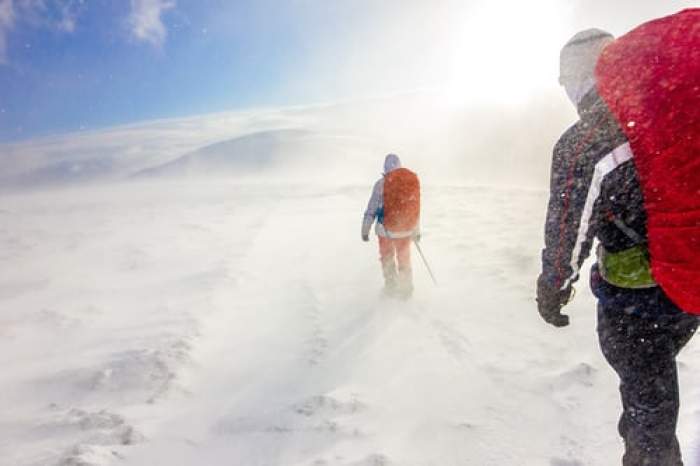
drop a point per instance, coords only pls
(219, 323)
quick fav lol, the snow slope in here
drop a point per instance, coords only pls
(281, 153)
(220, 323)
(446, 141)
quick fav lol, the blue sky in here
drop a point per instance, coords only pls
(72, 65)
(76, 65)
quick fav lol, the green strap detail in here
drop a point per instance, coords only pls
(627, 269)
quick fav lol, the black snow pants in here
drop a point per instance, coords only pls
(640, 334)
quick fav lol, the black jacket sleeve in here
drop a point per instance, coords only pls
(591, 166)
(570, 224)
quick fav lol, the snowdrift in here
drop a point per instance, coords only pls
(218, 323)
(284, 152)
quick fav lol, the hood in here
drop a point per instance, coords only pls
(391, 163)
(577, 62)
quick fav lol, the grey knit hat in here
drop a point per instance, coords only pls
(579, 56)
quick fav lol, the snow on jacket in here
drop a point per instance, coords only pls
(594, 192)
(375, 206)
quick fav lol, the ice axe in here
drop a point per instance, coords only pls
(425, 261)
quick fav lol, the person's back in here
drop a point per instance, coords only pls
(395, 205)
(600, 188)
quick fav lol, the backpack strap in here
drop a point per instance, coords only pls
(627, 230)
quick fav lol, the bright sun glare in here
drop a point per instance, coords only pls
(506, 50)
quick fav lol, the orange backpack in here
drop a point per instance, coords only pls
(401, 200)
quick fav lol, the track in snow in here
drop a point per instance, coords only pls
(220, 324)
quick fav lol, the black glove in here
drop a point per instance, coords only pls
(365, 237)
(550, 300)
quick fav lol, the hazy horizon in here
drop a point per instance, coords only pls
(466, 91)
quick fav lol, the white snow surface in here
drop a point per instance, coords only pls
(217, 323)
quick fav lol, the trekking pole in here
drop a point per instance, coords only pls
(427, 266)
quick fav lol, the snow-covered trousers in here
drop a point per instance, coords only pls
(640, 332)
(395, 256)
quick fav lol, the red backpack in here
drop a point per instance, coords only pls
(650, 80)
(401, 200)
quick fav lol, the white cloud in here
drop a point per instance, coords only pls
(7, 21)
(146, 22)
(68, 19)
(57, 15)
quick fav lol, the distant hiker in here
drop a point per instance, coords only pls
(395, 204)
(627, 174)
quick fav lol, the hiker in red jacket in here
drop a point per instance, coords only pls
(395, 204)
(626, 174)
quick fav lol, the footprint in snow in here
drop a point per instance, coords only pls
(376, 459)
(317, 343)
(323, 405)
(371, 460)
(456, 344)
(90, 455)
(581, 374)
(321, 414)
(136, 376)
(566, 386)
(94, 427)
(95, 435)
(564, 462)
(317, 346)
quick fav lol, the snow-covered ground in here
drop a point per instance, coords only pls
(214, 323)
